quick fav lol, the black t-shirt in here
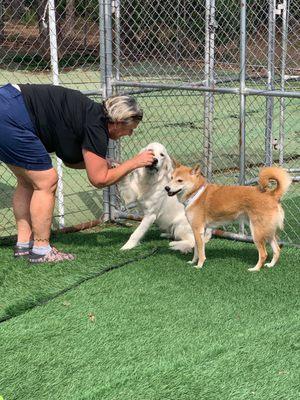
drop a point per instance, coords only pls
(66, 121)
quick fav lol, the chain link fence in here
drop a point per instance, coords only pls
(52, 42)
(218, 81)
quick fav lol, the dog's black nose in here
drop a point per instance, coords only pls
(167, 188)
(155, 161)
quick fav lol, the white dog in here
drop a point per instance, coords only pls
(146, 188)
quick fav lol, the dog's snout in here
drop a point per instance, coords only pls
(155, 161)
(167, 188)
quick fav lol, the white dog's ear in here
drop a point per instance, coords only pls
(196, 170)
(168, 166)
(175, 163)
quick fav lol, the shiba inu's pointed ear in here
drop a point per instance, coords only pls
(196, 170)
(175, 163)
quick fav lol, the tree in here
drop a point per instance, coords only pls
(69, 18)
(43, 26)
(18, 8)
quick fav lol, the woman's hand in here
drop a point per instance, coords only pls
(100, 175)
(143, 159)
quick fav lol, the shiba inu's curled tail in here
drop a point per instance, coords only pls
(282, 178)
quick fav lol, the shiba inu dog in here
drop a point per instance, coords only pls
(210, 205)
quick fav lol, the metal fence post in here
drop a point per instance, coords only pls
(109, 91)
(55, 79)
(243, 44)
(270, 85)
(285, 16)
(102, 42)
(105, 9)
(209, 80)
(242, 141)
(117, 62)
(117, 39)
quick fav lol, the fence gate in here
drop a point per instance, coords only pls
(219, 84)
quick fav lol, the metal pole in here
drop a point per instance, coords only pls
(117, 7)
(105, 11)
(177, 31)
(53, 41)
(270, 85)
(285, 15)
(55, 79)
(242, 141)
(206, 79)
(117, 63)
(106, 207)
(216, 232)
(108, 45)
(112, 149)
(196, 88)
(117, 58)
(209, 80)
(243, 44)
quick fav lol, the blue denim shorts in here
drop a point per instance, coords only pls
(19, 144)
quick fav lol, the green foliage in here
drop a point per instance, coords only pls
(29, 17)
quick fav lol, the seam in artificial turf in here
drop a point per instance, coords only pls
(76, 284)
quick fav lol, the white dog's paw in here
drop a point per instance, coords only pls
(269, 265)
(129, 246)
(182, 246)
(254, 269)
(199, 263)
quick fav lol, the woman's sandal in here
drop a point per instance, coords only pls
(53, 256)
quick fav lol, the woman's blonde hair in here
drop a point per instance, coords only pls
(122, 109)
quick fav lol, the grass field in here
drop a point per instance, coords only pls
(153, 329)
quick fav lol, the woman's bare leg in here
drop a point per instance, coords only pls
(36, 212)
(21, 208)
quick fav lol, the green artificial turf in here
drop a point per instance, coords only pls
(153, 329)
(22, 285)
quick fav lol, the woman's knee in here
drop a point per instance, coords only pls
(44, 180)
(51, 182)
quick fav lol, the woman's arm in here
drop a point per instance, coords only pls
(100, 175)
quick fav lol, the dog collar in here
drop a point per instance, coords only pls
(195, 196)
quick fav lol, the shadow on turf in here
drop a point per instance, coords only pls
(231, 250)
(117, 237)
